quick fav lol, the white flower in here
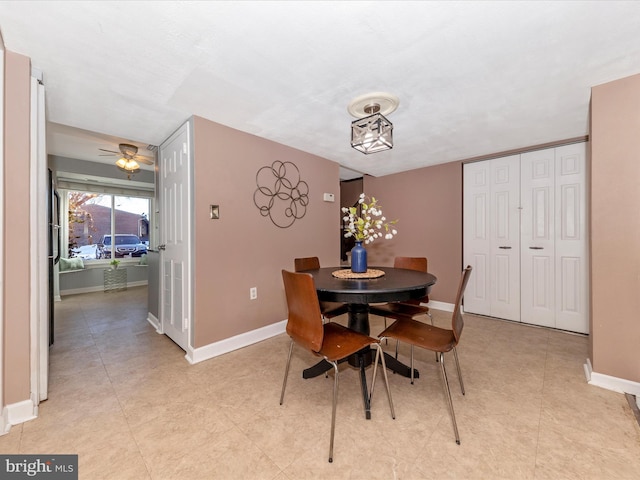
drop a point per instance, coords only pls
(363, 227)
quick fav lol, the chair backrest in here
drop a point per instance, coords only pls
(457, 322)
(413, 263)
(304, 325)
(306, 263)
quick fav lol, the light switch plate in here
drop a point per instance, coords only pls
(214, 212)
(329, 197)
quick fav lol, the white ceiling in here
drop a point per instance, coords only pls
(473, 78)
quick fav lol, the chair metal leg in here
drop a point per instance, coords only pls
(448, 395)
(455, 355)
(386, 341)
(431, 318)
(380, 357)
(411, 364)
(286, 372)
(333, 412)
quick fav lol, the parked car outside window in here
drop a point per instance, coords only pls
(85, 252)
(126, 245)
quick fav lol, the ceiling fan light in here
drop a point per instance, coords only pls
(121, 162)
(129, 172)
(132, 165)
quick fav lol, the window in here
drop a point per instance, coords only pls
(103, 226)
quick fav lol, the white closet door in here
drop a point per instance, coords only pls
(554, 243)
(571, 243)
(505, 235)
(491, 237)
(477, 241)
(538, 237)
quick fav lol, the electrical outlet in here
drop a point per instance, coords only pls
(253, 293)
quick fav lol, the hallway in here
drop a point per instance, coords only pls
(126, 401)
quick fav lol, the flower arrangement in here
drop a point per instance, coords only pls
(371, 224)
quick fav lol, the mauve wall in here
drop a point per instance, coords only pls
(16, 228)
(615, 228)
(427, 203)
(244, 249)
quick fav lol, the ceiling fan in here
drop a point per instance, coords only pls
(129, 158)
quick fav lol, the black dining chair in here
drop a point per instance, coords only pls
(329, 310)
(331, 340)
(436, 339)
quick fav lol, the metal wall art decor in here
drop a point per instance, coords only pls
(281, 194)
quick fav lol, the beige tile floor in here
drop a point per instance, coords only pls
(126, 401)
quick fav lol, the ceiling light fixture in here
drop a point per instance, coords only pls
(372, 132)
(128, 166)
(129, 158)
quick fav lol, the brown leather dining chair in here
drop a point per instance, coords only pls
(329, 310)
(436, 339)
(331, 340)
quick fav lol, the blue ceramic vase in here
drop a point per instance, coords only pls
(358, 258)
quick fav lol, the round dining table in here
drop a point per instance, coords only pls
(390, 285)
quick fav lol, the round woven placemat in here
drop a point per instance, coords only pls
(346, 273)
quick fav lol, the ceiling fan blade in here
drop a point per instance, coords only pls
(112, 151)
(145, 160)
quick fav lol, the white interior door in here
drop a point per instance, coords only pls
(492, 237)
(477, 240)
(505, 233)
(175, 236)
(538, 237)
(571, 239)
(554, 243)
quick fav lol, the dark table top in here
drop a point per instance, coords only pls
(397, 285)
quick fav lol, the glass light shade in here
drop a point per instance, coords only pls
(128, 165)
(372, 134)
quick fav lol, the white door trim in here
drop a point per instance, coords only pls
(4, 422)
(39, 307)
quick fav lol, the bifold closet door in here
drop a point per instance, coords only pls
(554, 243)
(492, 237)
(538, 237)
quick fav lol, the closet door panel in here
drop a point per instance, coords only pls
(538, 231)
(571, 240)
(476, 200)
(505, 237)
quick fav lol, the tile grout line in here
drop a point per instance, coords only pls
(544, 377)
(115, 394)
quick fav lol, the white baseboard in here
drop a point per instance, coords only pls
(17, 413)
(98, 288)
(445, 307)
(5, 426)
(239, 341)
(155, 323)
(615, 384)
